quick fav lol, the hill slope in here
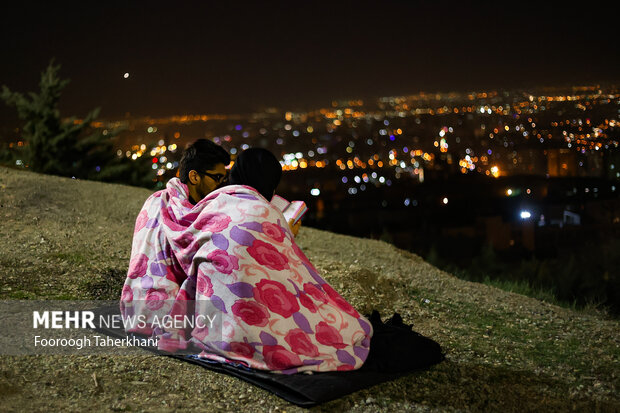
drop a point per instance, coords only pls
(62, 238)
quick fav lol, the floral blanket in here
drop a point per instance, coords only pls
(234, 252)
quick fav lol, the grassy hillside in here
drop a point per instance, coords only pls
(68, 239)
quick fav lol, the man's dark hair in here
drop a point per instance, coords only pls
(202, 155)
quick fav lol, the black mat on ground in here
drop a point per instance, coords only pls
(395, 351)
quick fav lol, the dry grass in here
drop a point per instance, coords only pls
(66, 239)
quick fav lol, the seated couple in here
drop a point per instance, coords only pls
(198, 241)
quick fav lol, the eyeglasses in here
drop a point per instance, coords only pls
(219, 178)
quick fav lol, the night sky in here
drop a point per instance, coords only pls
(223, 57)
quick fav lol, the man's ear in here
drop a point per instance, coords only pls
(194, 177)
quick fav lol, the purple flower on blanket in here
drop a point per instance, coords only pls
(241, 289)
(146, 283)
(220, 241)
(128, 312)
(279, 358)
(273, 231)
(267, 255)
(294, 284)
(203, 285)
(328, 335)
(361, 352)
(251, 312)
(189, 285)
(138, 266)
(152, 223)
(158, 269)
(276, 297)
(267, 339)
(302, 322)
(345, 357)
(313, 273)
(365, 326)
(312, 362)
(155, 299)
(218, 303)
(246, 196)
(254, 226)
(223, 262)
(241, 237)
(223, 345)
(212, 222)
(165, 253)
(300, 343)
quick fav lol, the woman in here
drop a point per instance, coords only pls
(271, 308)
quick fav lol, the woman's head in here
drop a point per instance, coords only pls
(258, 168)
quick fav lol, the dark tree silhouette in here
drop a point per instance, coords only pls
(66, 147)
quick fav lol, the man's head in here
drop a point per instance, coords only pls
(203, 168)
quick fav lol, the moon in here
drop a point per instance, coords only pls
(126, 75)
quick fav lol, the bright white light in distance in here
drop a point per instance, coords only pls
(315, 192)
(526, 214)
(126, 75)
(445, 201)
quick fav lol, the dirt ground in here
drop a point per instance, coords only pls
(70, 239)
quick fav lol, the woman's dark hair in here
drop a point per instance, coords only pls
(202, 155)
(258, 168)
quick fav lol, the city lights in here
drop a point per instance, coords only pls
(407, 138)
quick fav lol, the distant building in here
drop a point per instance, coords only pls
(561, 162)
(612, 164)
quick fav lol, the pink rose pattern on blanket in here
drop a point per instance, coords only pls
(236, 250)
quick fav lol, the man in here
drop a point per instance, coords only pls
(161, 257)
(203, 168)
